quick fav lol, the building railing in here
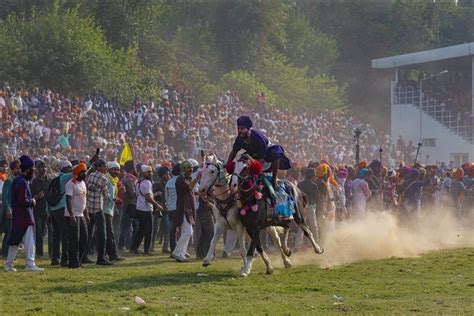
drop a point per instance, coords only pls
(455, 121)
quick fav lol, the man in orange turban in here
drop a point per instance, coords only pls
(362, 164)
(77, 170)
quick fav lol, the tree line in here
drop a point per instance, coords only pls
(301, 54)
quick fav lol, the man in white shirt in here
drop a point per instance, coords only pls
(76, 216)
(170, 197)
(145, 205)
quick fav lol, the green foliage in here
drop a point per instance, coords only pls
(13, 60)
(289, 82)
(305, 53)
(247, 85)
(68, 53)
(294, 88)
(308, 47)
(325, 93)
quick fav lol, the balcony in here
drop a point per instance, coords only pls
(459, 123)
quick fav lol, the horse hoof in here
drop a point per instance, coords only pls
(320, 251)
(270, 271)
(243, 274)
(205, 264)
(288, 264)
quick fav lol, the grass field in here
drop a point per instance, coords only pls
(438, 282)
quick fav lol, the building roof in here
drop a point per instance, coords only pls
(425, 56)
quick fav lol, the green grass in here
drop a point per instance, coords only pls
(439, 282)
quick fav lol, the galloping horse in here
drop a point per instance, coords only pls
(214, 185)
(244, 181)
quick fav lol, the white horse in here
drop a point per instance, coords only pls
(214, 184)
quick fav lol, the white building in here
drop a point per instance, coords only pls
(444, 123)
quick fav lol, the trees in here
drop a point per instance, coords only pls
(68, 53)
(304, 53)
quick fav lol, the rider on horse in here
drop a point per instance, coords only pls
(258, 146)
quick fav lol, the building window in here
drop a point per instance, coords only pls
(459, 159)
(429, 142)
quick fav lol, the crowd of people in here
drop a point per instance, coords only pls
(90, 205)
(45, 124)
(410, 192)
(102, 209)
(451, 90)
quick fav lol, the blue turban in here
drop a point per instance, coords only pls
(244, 121)
(26, 162)
(362, 172)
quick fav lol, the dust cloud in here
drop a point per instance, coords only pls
(381, 236)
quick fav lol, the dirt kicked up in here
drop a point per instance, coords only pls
(381, 236)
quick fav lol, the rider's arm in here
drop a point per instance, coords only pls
(232, 155)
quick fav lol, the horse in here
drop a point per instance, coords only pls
(245, 173)
(214, 185)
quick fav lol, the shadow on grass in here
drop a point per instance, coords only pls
(144, 281)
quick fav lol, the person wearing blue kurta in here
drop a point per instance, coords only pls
(6, 214)
(23, 221)
(258, 146)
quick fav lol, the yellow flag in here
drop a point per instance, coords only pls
(126, 154)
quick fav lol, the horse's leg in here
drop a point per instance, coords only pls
(307, 232)
(300, 220)
(286, 233)
(313, 223)
(241, 239)
(253, 244)
(277, 241)
(265, 257)
(232, 218)
(218, 230)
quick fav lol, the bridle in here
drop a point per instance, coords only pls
(247, 176)
(220, 171)
(222, 205)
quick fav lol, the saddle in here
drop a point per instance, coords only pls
(280, 203)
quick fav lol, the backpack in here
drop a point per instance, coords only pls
(54, 195)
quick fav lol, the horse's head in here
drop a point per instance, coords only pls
(211, 174)
(245, 173)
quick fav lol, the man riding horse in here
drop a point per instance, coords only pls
(258, 146)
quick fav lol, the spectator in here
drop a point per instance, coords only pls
(56, 213)
(205, 218)
(7, 205)
(22, 218)
(185, 210)
(362, 193)
(171, 198)
(76, 216)
(163, 174)
(39, 186)
(145, 205)
(109, 209)
(96, 193)
(129, 202)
